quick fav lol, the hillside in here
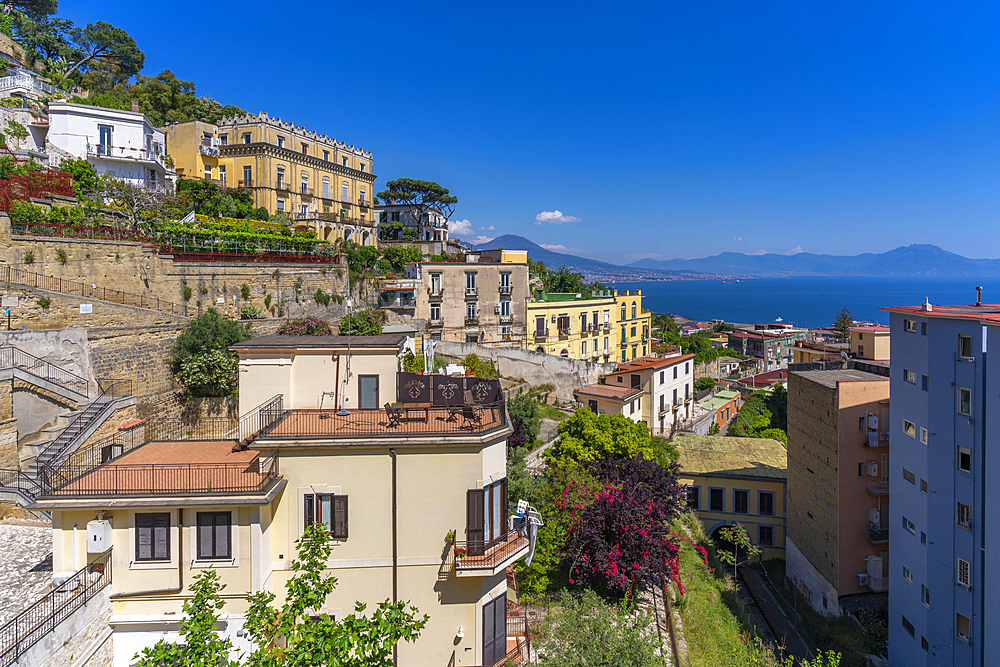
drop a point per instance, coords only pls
(912, 260)
(592, 269)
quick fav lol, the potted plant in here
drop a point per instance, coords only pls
(459, 553)
(450, 537)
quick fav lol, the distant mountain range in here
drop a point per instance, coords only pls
(592, 269)
(912, 260)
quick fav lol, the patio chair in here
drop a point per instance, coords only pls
(473, 416)
(453, 410)
(394, 414)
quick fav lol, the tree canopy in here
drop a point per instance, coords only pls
(35, 9)
(104, 43)
(588, 437)
(842, 324)
(419, 196)
(361, 323)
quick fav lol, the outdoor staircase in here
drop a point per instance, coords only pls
(66, 436)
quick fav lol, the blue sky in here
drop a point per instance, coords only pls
(653, 129)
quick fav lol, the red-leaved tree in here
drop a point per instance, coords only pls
(620, 535)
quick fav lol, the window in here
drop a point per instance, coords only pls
(326, 194)
(624, 355)
(909, 376)
(281, 205)
(923, 485)
(910, 326)
(631, 408)
(343, 161)
(908, 626)
(436, 289)
(632, 332)
(104, 131)
(765, 503)
(247, 176)
(345, 191)
(435, 311)
(208, 171)
(328, 510)
(765, 536)
(675, 372)
(222, 174)
(925, 595)
(964, 346)
(964, 572)
(923, 435)
(964, 401)
(964, 459)
(687, 367)
(962, 627)
(861, 335)
(694, 497)
(361, 167)
(281, 178)
(924, 645)
(964, 515)
(304, 185)
(470, 310)
(923, 537)
(909, 525)
(633, 310)
(213, 535)
(223, 139)
(740, 501)
(909, 429)
(909, 476)
(305, 149)
(152, 537)
(326, 156)
(304, 209)
(662, 376)
(861, 470)
(583, 348)
(246, 137)
(923, 328)
(924, 382)
(281, 142)
(716, 499)
(635, 380)
(907, 575)
(505, 312)
(623, 313)
(606, 339)
(861, 424)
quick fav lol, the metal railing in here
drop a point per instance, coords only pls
(246, 183)
(18, 481)
(471, 321)
(471, 291)
(487, 554)
(877, 534)
(169, 478)
(24, 630)
(76, 231)
(12, 357)
(17, 276)
(415, 421)
(506, 289)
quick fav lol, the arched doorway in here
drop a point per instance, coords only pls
(564, 353)
(540, 349)
(364, 238)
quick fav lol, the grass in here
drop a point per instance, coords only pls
(715, 626)
(839, 633)
(551, 412)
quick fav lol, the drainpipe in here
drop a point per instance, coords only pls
(76, 557)
(392, 453)
(180, 566)
(982, 501)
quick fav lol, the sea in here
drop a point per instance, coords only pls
(806, 301)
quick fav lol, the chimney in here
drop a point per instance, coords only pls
(927, 305)
(979, 296)
(135, 106)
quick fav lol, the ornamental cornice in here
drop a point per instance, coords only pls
(263, 148)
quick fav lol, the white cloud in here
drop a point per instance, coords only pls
(555, 217)
(460, 227)
(490, 228)
(480, 239)
(559, 248)
(794, 251)
(759, 252)
(634, 256)
(538, 223)
(737, 239)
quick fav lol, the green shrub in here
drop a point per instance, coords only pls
(362, 323)
(44, 301)
(267, 301)
(29, 257)
(207, 375)
(322, 297)
(187, 293)
(61, 255)
(249, 311)
(245, 291)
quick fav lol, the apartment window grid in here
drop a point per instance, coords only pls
(765, 503)
(693, 497)
(214, 535)
(963, 572)
(964, 515)
(716, 498)
(152, 536)
(741, 501)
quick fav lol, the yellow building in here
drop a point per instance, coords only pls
(634, 326)
(576, 326)
(316, 445)
(324, 184)
(870, 342)
(737, 480)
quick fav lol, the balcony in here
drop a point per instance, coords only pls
(471, 291)
(541, 335)
(880, 488)
(282, 185)
(436, 323)
(876, 534)
(478, 558)
(346, 199)
(435, 293)
(408, 421)
(399, 303)
(506, 319)
(327, 195)
(472, 321)
(390, 284)
(564, 333)
(664, 409)
(129, 154)
(305, 190)
(210, 151)
(364, 202)
(247, 183)
(505, 289)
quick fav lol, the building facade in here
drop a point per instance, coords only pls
(481, 300)
(389, 488)
(724, 406)
(667, 385)
(426, 223)
(838, 485)
(576, 326)
(121, 143)
(612, 399)
(326, 185)
(736, 480)
(635, 324)
(943, 574)
(769, 348)
(870, 342)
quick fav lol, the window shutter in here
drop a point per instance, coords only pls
(206, 524)
(144, 537)
(310, 509)
(340, 517)
(222, 520)
(161, 536)
(503, 506)
(474, 521)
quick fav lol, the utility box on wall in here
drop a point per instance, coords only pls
(98, 536)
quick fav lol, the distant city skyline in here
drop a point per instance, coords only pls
(663, 132)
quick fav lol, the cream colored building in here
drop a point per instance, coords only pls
(481, 300)
(870, 343)
(389, 490)
(326, 185)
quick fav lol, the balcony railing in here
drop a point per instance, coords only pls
(305, 190)
(281, 185)
(471, 291)
(171, 479)
(505, 289)
(127, 153)
(472, 321)
(413, 421)
(435, 293)
(877, 534)
(346, 199)
(436, 322)
(364, 202)
(506, 319)
(541, 335)
(246, 183)
(489, 554)
(398, 302)
(563, 333)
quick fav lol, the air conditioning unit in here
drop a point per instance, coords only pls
(874, 516)
(497, 310)
(862, 579)
(98, 536)
(873, 469)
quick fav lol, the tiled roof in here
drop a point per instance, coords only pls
(303, 342)
(651, 363)
(769, 377)
(725, 455)
(874, 329)
(988, 312)
(832, 377)
(615, 392)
